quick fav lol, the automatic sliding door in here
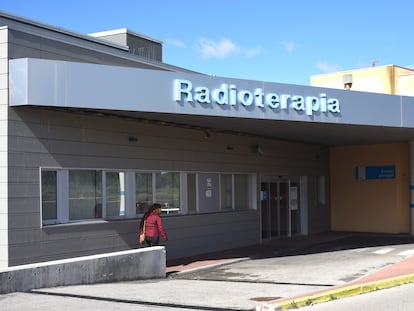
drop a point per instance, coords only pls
(280, 208)
(265, 209)
(283, 205)
(274, 210)
(270, 210)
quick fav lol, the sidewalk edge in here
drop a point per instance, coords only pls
(343, 292)
(207, 266)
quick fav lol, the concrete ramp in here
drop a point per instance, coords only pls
(136, 264)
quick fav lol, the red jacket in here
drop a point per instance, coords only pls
(153, 226)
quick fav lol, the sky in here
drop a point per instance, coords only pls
(285, 41)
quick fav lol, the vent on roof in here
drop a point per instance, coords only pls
(137, 44)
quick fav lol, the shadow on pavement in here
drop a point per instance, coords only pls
(293, 246)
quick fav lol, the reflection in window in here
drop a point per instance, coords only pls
(81, 193)
(167, 191)
(49, 195)
(143, 192)
(226, 192)
(191, 193)
(115, 194)
(242, 192)
(85, 194)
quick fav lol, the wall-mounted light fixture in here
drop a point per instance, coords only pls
(207, 134)
(258, 149)
(132, 139)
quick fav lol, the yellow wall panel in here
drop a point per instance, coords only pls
(379, 205)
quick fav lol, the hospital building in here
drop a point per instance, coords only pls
(94, 128)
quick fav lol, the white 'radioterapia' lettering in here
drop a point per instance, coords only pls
(228, 94)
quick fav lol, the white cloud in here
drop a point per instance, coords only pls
(326, 67)
(222, 49)
(289, 46)
(253, 52)
(176, 43)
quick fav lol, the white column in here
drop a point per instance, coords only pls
(411, 165)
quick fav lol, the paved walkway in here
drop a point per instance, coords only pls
(277, 275)
(256, 251)
(397, 274)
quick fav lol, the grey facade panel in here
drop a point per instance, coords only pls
(67, 141)
(216, 232)
(407, 111)
(95, 141)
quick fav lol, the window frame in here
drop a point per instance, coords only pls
(49, 220)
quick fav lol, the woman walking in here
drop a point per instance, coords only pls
(151, 226)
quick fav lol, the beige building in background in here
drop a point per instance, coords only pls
(388, 79)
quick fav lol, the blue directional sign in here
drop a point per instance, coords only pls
(375, 172)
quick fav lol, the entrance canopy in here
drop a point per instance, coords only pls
(213, 104)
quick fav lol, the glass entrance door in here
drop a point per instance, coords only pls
(280, 210)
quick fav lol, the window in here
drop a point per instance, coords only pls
(167, 191)
(115, 194)
(49, 195)
(143, 192)
(77, 195)
(85, 194)
(208, 196)
(191, 193)
(242, 190)
(226, 182)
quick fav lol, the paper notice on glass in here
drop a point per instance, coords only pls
(293, 195)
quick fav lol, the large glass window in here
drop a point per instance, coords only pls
(167, 191)
(49, 195)
(191, 193)
(226, 185)
(242, 192)
(85, 194)
(143, 192)
(76, 195)
(115, 194)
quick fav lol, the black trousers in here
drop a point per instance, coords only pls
(152, 240)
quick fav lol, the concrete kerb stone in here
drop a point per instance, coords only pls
(136, 264)
(208, 266)
(337, 293)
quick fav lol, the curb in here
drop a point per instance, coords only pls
(338, 293)
(206, 267)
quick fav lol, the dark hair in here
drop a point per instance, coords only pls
(152, 208)
(155, 206)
